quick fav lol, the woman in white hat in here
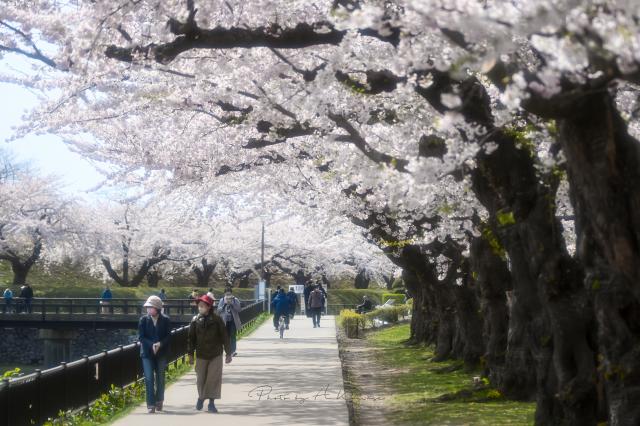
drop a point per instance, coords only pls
(154, 333)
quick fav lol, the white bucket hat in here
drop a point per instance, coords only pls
(153, 302)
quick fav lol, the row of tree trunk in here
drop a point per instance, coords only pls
(543, 324)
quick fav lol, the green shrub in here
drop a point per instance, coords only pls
(351, 322)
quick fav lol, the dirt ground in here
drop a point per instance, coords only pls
(365, 381)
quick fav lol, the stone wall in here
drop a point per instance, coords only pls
(22, 345)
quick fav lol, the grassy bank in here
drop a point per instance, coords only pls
(423, 392)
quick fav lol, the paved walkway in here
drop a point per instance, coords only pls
(293, 381)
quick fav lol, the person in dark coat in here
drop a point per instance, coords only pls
(365, 306)
(207, 337)
(316, 301)
(280, 306)
(154, 333)
(307, 291)
(26, 294)
(293, 302)
(324, 298)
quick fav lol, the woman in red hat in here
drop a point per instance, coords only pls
(207, 337)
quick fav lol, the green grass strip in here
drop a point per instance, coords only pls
(415, 382)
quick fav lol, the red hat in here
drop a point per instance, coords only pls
(206, 299)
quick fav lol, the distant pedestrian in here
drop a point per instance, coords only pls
(105, 300)
(229, 310)
(8, 301)
(324, 299)
(308, 288)
(316, 301)
(154, 333)
(162, 295)
(26, 294)
(293, 302)
(193, 297)
(207, 337)
(280, 306)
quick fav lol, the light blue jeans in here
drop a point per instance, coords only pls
(154, 369)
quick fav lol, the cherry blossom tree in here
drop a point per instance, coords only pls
(443, 129)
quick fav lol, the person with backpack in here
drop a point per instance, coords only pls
(316, 302)
(308, 288)
(280, 306)
(229, 310)
(293, 302)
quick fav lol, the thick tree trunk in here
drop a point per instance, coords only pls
(604, 172)
(420, 325)
(203, 274)
(153, 278)
(489, 270)
(550, 312)
(21, 268)
(469, 322)
(20, 272)
(362, 279)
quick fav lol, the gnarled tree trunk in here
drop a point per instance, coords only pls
(604, 171)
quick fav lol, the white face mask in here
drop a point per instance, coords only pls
(203, 310)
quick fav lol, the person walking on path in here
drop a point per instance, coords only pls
(8, 300)
(316, 301)
(163, 296)
(207, 337)
(105, 300)
(308, 288)
(26, 294)
(229, 310)
(193, 297)
(293, 302)
(211, 295)
(154, 333)
(325, 298)
(280, 306)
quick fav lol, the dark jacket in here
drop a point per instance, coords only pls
(26, 292)
(316, 299)
(106, 295)
(280, 303)
(207, 336)
(293, 301)
(306, 293)
(148, 334)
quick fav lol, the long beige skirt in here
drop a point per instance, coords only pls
(209, 377)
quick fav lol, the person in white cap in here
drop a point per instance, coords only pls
(154, 333)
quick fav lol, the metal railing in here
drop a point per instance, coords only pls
(78, 306)
(34, 398)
